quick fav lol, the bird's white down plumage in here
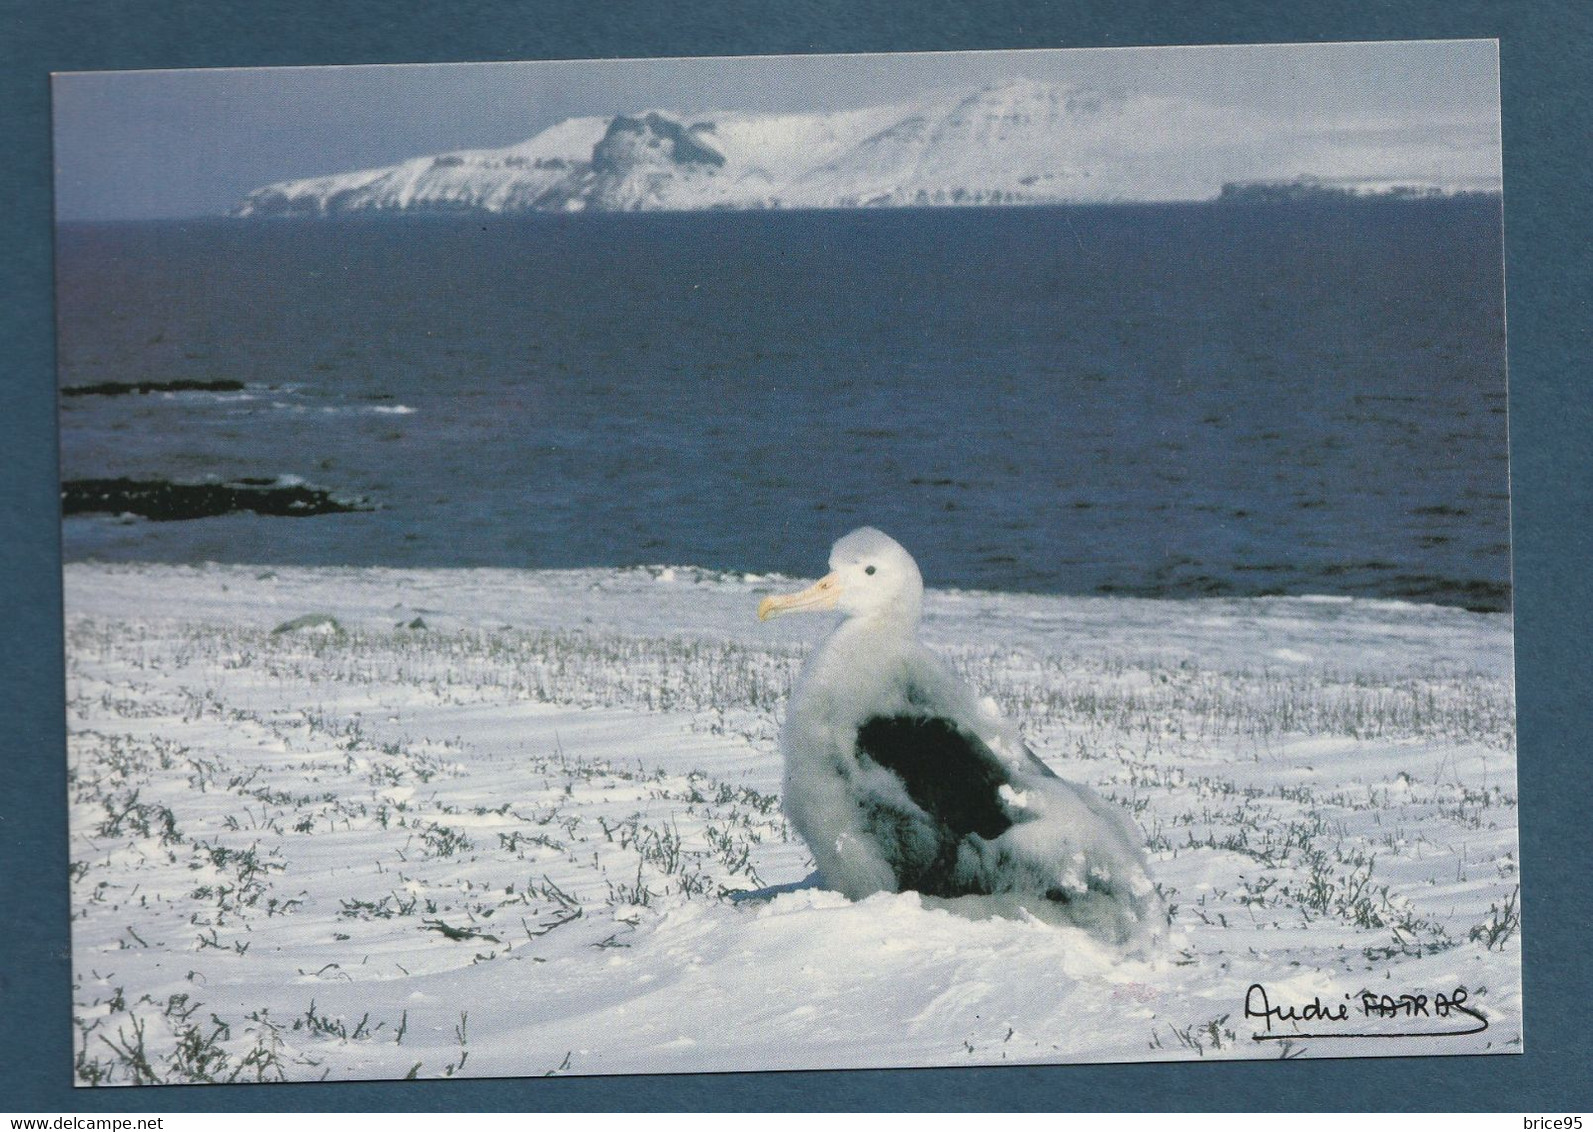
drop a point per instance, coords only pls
(900, 779)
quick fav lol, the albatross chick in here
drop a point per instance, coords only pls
(900, 778)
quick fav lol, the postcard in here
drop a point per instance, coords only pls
(723, 564)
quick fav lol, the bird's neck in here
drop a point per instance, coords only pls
(860, 665)
(882, 631)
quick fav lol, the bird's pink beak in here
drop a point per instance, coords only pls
(822, 594)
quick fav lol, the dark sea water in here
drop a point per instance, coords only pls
(1151, 400)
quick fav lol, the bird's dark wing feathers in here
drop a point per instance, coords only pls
(950, 774)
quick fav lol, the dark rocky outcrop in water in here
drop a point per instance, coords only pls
(164, 501)
(119, 388)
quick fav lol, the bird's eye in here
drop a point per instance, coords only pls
(868, 569)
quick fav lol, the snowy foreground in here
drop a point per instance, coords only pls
(333, 823)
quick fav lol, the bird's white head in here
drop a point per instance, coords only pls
(870, 576)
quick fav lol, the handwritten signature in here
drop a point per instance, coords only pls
(1326, 1018)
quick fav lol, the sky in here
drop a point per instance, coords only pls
(179, 144)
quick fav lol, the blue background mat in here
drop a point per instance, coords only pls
(1550, 310)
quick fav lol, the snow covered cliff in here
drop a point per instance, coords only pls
(1018, 142)
(1053, 141)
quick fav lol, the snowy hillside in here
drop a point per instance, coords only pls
(1021, 142)
(341, 823)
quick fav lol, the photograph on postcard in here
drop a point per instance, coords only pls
(754, 563)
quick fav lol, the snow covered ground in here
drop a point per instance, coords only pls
(369, 823)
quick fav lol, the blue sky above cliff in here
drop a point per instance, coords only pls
(169, 144)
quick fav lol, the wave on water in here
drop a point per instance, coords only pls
(249, 397)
